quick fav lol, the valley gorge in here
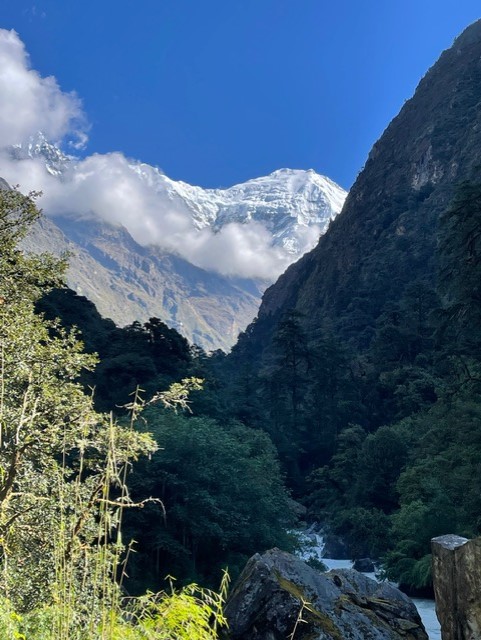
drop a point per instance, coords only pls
(364, 352)
(141, 439)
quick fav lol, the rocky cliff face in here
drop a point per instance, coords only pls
(386, 235)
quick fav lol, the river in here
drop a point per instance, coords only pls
(424, 606)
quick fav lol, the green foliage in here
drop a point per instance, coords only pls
(317, 564)
(223, 495)
(303, 398)
(284, 381)
(460, 264)
(150, 355)
(439, 490)
(63, 470)
(365, 531)
(382, 459)
(191, 613)
(333, 486)
(408, 572)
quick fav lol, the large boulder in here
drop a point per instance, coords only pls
(278, 597)
(457, 586)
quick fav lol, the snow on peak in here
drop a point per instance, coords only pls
(256, 227)
(37, 146)
(295, 205)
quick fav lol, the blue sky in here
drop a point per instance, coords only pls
(219, 91)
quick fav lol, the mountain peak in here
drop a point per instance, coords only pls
(288, 171)
(294, 206)
(38, 146)
(471, 35)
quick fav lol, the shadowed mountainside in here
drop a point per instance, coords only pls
(385, 236)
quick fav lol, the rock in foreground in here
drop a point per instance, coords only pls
(277, 589)
(457, 586)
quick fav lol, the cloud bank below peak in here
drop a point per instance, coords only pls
(154, 209)
(105, 186)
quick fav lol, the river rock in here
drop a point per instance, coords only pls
(366, 565)
(457, 586)
(298, 509)
(335, 547)
(278, 595)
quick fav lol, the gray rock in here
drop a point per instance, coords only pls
(278, 595)
(297, 509)
(365, 565)
(335, 547)
(457, 586)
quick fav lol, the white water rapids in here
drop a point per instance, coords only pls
(313, 546)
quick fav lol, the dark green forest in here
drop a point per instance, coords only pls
(380, 437)
(222, 492)
(377, 437)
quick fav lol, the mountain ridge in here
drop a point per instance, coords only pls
(285, 202)
(128, 282)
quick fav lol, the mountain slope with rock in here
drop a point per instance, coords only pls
(128, 282)
(132, 273)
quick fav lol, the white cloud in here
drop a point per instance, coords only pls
(244, 250)
(31, 103)
(108, 185)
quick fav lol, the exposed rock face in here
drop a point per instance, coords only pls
(457, 586)
(129, 282)
(276, 590)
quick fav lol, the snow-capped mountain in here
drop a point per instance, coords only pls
(56, 162)
(286, 203)
(132, 275)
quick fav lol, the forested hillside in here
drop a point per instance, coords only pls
(363, 364)
(218, 479)
(387, 233)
